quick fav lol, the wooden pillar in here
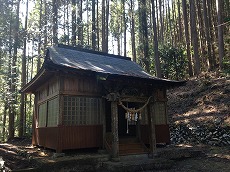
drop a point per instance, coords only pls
(152, 128)
(104, 122)
(114, 124)
(113, 98)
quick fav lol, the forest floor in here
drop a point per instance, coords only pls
(203, 100)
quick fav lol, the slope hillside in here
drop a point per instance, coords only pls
(199, 112)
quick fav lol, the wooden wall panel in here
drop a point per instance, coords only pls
(70, 137)
(48, 137)
(78, 85)
(76, 137)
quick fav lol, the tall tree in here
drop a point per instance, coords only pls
(187, 38)
(201, 33)
(14, 74)
(39, 34)
(74, 34)
(207, 35)
(143, 35)
(219, 7)
(156, 53)
(179, 20)
(93, 25)
(79, 23)
(194, 37)
(55, 21)
(132, 25)
(161, 35)
(124, 23)
(23, 77)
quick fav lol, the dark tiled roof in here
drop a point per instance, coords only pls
(64, 57)
(96, 62)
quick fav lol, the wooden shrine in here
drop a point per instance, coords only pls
(89, 99)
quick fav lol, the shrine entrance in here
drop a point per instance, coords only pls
(127, 127)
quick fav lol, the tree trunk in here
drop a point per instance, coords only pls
(194, 36)
(45, 24)
(133, 33)
(12, 112)
(201, 34)
(170, 24)
(74, 34)
(21, 130)
(107, 26)
(156, 53)
(39, 34)
(161, 35)
(207, 35)
(55, 22)
(219, 7)
(124, 21)
(144, 34)
(93, 26)
(187, 39)
(179, 21)
(103, 27)
(79, 23)
(212, 34)
(98, 32)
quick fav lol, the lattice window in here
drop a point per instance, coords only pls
(42, 110)
(53, 112)
(82, 111)
(160, 111)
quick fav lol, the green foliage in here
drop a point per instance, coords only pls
(173, 62)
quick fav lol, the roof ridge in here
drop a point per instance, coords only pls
(78, 48)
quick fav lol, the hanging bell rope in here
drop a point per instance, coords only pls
(134, 110)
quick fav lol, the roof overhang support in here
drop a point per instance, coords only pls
(152, 122)
(113, 98)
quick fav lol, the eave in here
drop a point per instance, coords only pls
(41, 77)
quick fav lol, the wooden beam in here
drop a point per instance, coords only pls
(134, 99)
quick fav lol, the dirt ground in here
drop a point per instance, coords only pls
(19, 154)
